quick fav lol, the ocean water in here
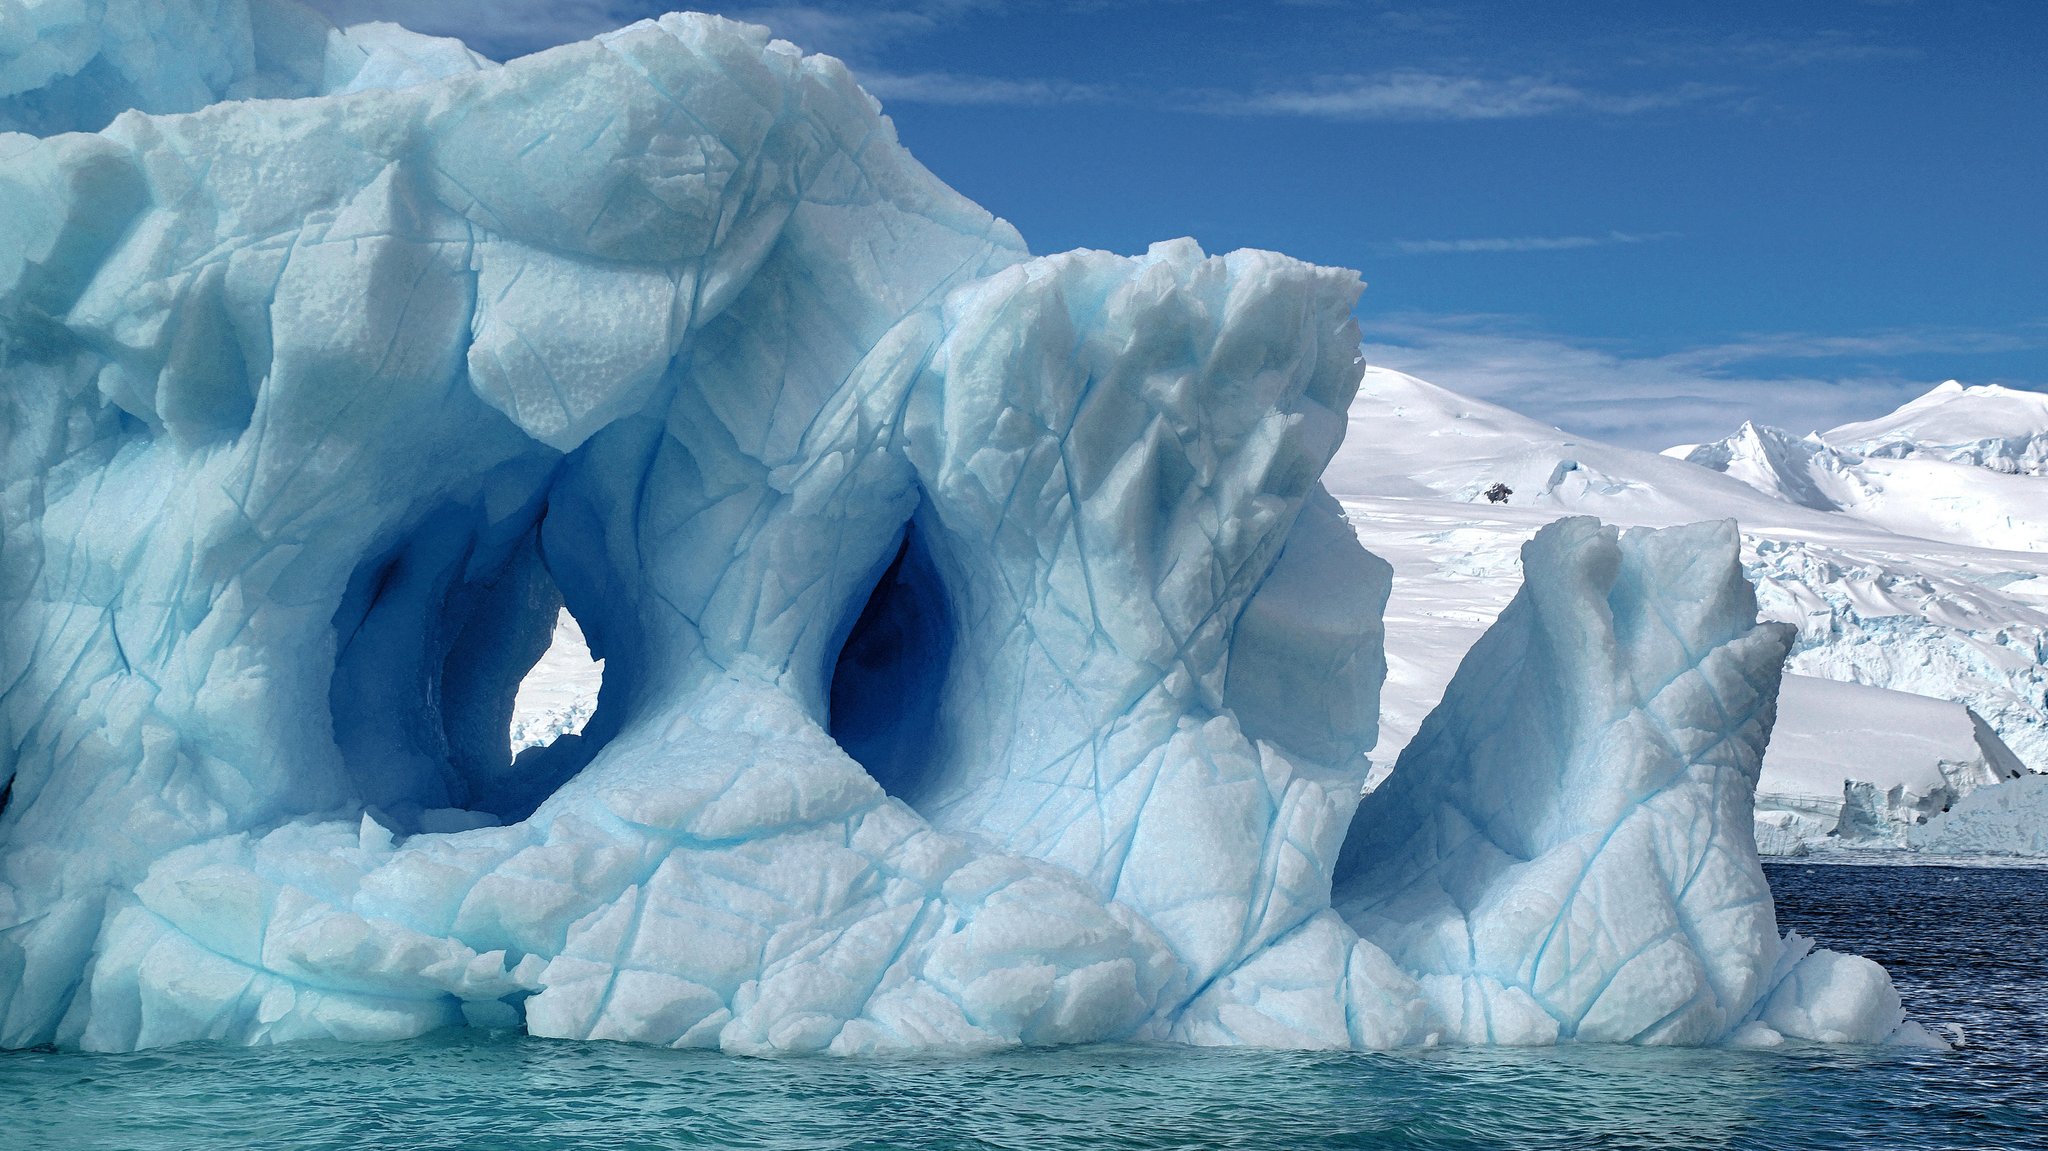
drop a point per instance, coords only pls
(1968, 947)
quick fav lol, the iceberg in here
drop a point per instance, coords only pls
(983, 662)
(1565, 849)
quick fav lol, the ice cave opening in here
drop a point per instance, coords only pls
(434, 639)
(889, 678)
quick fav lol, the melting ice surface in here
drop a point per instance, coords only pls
(984, 664)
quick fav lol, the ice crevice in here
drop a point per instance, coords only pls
(983, 663)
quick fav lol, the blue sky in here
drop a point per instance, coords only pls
(1645, 221)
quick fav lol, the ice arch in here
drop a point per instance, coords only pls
(313, 407)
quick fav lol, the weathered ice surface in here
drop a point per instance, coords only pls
(1564, 851)
(983, 663)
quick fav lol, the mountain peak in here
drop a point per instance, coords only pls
(1989, 425)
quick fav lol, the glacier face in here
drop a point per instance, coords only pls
(983, 663)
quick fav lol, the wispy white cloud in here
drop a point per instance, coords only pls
(864, 34)
(500, 29)
(1895, 342)
(1652, 401)
(1415, 94)
(954, 88)
(1412, 96)
(1520, 243)
(504, 28)
(852, 33)
(1826, 46)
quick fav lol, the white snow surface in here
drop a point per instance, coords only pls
(1936, 499)
(559, 694)
(983, 662)
(1895, 739)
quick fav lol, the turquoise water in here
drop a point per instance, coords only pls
(1966, 946)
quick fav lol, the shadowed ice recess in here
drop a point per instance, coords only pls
(984, 664)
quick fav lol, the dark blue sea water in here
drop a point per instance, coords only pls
(1968, 946)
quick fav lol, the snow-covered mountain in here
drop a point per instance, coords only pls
(2002, 429)
(1916, 577)
(1915, 493)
